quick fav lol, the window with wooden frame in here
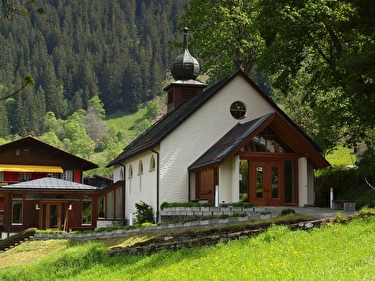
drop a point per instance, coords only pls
(152, 163)
(17, 209)
(86, 210)
(130, 171)
(140, 167)
(238, 110)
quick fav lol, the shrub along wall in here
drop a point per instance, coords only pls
(348, 184)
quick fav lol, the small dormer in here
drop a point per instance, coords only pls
(185, 70)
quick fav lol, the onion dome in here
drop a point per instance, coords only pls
(185, 66)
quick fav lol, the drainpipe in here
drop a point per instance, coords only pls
(123, 195)
(189, 189)
(9, 206)
(157, 184)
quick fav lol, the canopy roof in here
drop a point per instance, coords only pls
(29, 168)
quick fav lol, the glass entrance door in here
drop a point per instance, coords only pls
(267, 183)
(53, 216)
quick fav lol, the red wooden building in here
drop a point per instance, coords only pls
(41, 186)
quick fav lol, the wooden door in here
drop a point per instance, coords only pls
(53, 217)
(267, 183)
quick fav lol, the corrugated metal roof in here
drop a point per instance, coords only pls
(229, 143)
(49, 183)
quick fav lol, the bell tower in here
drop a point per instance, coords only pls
(185, 70)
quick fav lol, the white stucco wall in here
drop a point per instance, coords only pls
(200, 131)
(140, 186)
(187, 143)
(229, 187)
(305, 182)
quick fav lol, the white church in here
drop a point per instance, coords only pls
(225, 143)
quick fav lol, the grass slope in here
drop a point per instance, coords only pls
(124, 123)
(341, 157)
(332, 252)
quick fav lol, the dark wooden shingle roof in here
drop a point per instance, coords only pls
(224, 148)
(152, 137)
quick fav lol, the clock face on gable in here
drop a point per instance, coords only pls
(238, 110)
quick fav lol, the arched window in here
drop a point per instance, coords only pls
(140, 168)
(130, 171)
(122, 174)
(152, 163)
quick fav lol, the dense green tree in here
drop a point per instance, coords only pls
(4, 127)
(333, 42)
(224, 35)
(51, 138)
(81, 49)
(320, 54)
(153, 109)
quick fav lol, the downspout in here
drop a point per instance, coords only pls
(9, 206)
(123, 195)
(157, 184)
(189, 188)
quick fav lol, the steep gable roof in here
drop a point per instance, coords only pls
(86, 165)
(222, 149)
(151, 137)
(241, 134)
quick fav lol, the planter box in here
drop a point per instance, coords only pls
(207, 213)
(243, 218)
(191, 223)
(223, 220)
(233, 219)
(204, 222)
(265, 217)
(198, 213)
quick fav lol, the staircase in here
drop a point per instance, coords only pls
(16, 239)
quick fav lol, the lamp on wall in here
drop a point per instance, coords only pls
(37, 206)
(70, 207)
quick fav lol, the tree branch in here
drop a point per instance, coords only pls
(28, 81)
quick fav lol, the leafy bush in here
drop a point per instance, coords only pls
(237, 204)
(346, 184)
(144, 212)
(286, 212)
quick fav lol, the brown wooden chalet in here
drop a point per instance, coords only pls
(41, 186)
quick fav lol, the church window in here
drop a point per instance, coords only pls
(238, 110)
(140, 168)
(152, 163)
(130, 171)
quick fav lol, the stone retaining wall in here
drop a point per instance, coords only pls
(251, 216)
(183, 213)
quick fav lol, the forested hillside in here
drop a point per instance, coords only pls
(77, 50)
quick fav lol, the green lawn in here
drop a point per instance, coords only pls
(332, 252)
(125, 122)
(341, 157)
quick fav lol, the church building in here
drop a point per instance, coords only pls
(221, 144)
